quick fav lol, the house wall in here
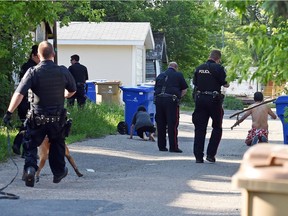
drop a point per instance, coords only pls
(113, 63)
(245, 89)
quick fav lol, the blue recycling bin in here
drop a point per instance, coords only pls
(281, 103)
(133, 97)
(91, 91)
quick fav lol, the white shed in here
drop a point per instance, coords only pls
(113, 51)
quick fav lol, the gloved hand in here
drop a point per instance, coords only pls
(7, 118)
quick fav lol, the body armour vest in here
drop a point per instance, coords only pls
(50, 86)
(207, 78)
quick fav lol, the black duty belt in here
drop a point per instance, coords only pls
(213, 93)
(166, 95)
(174, 97)
(42, 120)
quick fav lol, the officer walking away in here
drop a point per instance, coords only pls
(208, 79)
(80, 74)
(24, 105)
(49, 84)
(170, 87)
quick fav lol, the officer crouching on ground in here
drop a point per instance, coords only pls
(208, 79)
(50, 85)
(169, 88)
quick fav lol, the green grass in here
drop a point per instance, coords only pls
(92, 121)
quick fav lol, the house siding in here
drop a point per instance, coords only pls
(102, 61)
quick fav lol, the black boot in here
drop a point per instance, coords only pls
(57, 179)
(30, 177)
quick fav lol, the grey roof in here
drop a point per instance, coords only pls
(108, 33)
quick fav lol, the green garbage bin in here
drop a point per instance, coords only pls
(263, 177)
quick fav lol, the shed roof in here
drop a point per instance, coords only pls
(106, 33)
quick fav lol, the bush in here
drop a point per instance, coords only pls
(232, 103)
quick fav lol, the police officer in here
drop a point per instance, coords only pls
(208, 79)
(170, 87)
(32, 61)
(24, 105)
(80, 75)
(50, 84)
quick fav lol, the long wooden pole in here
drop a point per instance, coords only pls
(237, 113)
(264, 102)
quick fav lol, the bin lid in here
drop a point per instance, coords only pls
(282, 99)
(138, 88)
(264, 167)
(109, 83)
(96, 80)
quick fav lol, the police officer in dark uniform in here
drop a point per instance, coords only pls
(170, 87)
(208, 79)
(50, 85)
(24, 105)
(32, 61)
(80, 74)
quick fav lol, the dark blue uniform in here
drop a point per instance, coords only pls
(47, 82)
(208, 79)
(80, 74)
(168, 88)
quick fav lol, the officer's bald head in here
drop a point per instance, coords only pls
(46, 51)
(173, 65)
(215, 55)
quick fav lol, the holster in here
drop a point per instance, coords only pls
(30, 119)
(67, 127)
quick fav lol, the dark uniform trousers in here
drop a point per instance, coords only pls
(167, 113)
(34, 138)
(79, 95)
(207, 106)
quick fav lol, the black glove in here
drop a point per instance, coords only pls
(7, 118)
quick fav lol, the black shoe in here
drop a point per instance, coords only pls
(210, 159)
(30, 177)
(199, 161)
(163, 149)
(57, 179)
(175, 150)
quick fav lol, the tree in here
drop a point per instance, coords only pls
(18, 20)
(264, 25)
(184, 23)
